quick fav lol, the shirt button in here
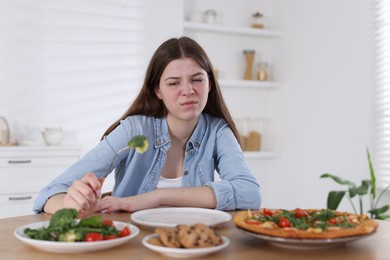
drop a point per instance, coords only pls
(186, 172)
(190, 153)
(197, 145)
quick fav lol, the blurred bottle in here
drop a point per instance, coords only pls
(249, 59)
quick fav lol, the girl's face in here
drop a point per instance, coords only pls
(184, 88)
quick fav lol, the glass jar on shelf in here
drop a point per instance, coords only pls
(262, 71)
(257, 20)
(210, 16)
(254, 134)
(250, 130)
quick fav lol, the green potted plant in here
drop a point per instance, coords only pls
(367, 188)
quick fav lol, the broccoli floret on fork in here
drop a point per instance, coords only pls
(139, 143)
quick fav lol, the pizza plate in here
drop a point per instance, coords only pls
(299, 243)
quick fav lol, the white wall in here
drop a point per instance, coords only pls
(163, 21)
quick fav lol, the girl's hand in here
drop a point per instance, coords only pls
(84, 195)
(129, 204)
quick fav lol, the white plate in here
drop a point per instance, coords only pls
(171, 217)
(184, 252)
(298, 243)
(73, 247)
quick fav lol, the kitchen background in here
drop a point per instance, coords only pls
(315, 114)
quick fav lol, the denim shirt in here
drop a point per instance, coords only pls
(212, 147)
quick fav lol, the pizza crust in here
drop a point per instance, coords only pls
(366, 226)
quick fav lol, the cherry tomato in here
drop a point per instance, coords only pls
(93, 236)
(109, 237)
(332, 221)
(300, 213)
(108, 222)
(252, 222)
(125, 232)
(267, 212)
(284, 222)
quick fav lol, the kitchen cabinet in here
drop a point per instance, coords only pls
(200, 31)
(25, 170)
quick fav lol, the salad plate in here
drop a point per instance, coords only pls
(183, 252)
(171, 217)
(73, 247)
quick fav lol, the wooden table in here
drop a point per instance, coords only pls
(241, 245)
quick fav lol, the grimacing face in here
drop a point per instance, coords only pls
(184, 88)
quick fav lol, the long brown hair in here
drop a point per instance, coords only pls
(147, 103)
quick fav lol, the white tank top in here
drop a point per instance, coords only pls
(169, 182)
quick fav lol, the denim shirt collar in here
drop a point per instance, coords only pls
(162, 137)
(161, 133)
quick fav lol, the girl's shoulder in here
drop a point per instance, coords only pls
(138, 124)
(138, 119)
(214, 121)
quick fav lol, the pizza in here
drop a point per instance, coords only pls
(305, 223)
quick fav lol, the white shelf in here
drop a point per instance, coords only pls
(252, 84)
(230, 29)
(260, 155)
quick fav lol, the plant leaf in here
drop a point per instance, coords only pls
(383, 217)
(353, 191)
(372, 174)
(380, 211)
(338, 179)
(363, 189)
(334, 199)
